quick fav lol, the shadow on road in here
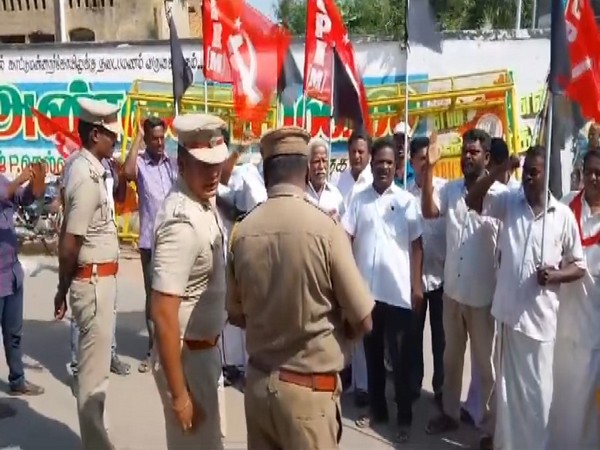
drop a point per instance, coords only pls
(29, 430)
(132, 339)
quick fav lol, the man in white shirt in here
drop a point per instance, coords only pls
(574, 413)
(319, 191)
(351, 181)
(469, 281)
(471, 412)
(533, 265)
(358, 176)
(384, 224)
(434, 254)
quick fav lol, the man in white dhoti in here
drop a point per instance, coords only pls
(469, 281)
(526, 297)
(245, 189)
(354, 179)
(574, 418)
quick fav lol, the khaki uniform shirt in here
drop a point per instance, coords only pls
(189, 262)
(292, 275)
(88, 211)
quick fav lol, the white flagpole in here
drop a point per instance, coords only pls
(205, 96)
(547, 170)
(405, 181)
(519, 14)
(304, 98)
(331, 113)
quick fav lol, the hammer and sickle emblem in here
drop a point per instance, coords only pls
(247, 73)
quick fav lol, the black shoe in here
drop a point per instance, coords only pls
(486, 443)
(441, 424)
(361, 399)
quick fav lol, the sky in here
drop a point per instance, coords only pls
(264, 6)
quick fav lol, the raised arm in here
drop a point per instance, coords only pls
(428, 206)
(479, 190)
(130, 166)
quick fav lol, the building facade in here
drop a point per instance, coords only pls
(33, 21)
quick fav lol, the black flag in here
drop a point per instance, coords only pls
(346, 98)
(289, 83)
(183, 77)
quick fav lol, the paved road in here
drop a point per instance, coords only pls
(135, 416)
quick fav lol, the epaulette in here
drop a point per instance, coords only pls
(179, 211)
(321, 210)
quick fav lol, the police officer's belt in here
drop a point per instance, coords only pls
(318, 382)
(203, 344)
(87, 271)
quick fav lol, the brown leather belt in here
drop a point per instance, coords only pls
(108, 269)
(318, 382)
(204, 344)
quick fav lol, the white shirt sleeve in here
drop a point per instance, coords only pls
(349, 218)
(571, 242)
(443, 193)
(495, 203)
(414, 220)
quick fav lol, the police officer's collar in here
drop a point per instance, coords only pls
(285, 190)
(95, 162)
(184, 189)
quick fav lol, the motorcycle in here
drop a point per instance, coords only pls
(41, 220)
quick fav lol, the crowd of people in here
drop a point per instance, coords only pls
(304, 285)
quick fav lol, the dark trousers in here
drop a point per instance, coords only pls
(391, 326)
(11, 321)
(146, 258)
(434, 300)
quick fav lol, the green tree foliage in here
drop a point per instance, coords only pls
(386, 17)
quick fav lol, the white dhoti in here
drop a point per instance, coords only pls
(233, 346)
(473, 402)
(574, 418)
(524, 386)
(360, 381)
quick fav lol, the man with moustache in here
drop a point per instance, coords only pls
(469, 281)
(318, 190)
(574, 413)
(188, 288)
(384, 224)
(351, 181)
(154, 174)
(540, 250)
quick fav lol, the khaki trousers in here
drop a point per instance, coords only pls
(92, 304)
(202, 369)
(281, 415)
(462, 322)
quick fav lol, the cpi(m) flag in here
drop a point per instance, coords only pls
(66, 141)
(255, 55)
(216, 64)
(326, 78)
(182, 74)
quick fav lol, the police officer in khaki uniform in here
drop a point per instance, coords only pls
(188, 288)
(88, 264)
(292, 283)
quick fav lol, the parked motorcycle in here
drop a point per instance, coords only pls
(40, 221)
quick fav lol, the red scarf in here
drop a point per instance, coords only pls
(576, 206)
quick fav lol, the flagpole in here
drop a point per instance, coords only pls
(331, 112)
(547, 170)
(304, 109)
(405, 180)
(205, 96)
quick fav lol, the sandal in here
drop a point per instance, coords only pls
(403, 436)
(363, 422)
(144, 366)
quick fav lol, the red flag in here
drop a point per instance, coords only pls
(584, 52)
(216, 64)
(66, 141)
(325, 30)
(254, 46)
